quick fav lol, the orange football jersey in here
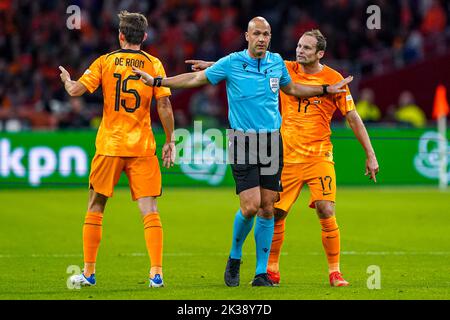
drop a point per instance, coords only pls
(306, 122)
(125, 129)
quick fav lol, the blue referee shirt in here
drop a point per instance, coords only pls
(252, 89)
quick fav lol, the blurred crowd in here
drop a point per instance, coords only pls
(405, 113)
(34, 40)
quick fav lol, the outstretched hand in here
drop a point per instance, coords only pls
(64, 75)
(336, 88)
(145, 77)
(199, 65)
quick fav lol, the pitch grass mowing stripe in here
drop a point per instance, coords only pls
(189, 254)
(404, 231)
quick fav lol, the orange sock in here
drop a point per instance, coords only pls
(154, 240)
(331, 242)
(92, 234)
(277, 243)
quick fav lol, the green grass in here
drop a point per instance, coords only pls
(404, 231)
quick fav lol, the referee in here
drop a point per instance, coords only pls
(253, 79)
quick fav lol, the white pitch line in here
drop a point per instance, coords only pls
(188, 254)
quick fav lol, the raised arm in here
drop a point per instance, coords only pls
(73, 88)
(166, 116)
(361, 134)
(185, 80)
(306, 91)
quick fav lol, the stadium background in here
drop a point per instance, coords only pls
(47, 140)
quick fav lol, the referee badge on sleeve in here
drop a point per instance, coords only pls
(274, 84)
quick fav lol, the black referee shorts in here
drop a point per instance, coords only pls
(256, 160)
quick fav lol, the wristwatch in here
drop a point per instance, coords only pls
(325, 89)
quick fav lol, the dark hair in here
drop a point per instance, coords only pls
(321, 41)
(133, 26)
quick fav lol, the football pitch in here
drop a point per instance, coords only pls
(402, 232)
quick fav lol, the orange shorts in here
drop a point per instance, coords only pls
(144, 175)
(319, 176)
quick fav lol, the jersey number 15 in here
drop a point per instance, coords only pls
(122, 87)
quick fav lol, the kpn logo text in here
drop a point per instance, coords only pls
(40, 162)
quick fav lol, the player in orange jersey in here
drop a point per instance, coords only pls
(308, 152)
(125, 141)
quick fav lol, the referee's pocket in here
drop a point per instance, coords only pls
(248, 88)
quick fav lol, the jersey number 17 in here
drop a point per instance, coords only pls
(306, 104)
